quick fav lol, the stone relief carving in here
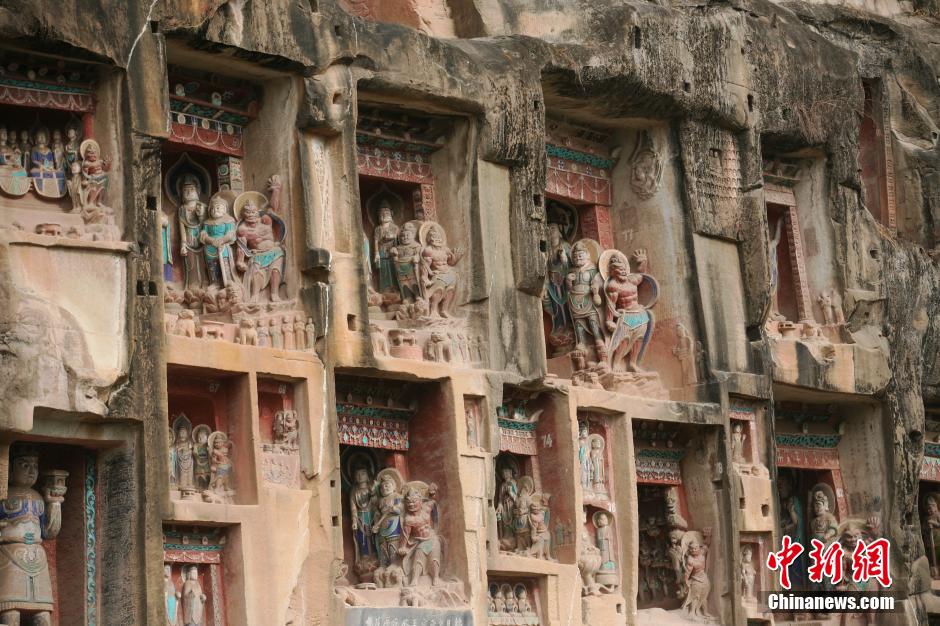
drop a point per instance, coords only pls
(646, 167)
(226, 264)
(200, 462)
(54, 167)
(748, 574)
(27, 518)
(522, 516)
(509, 604)
(609, 306)
(397, 542)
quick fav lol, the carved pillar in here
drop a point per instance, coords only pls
(229, 171)
(595, 224)
(839, 486)
(804, 303)
(425, 207)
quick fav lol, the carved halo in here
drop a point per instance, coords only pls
(417, 226)
(506, 590)
(216, 436)
(564, 216)
(185, 166)
(603, 264)
(516, 589)
(425, 232)
(525, 483)
(229, 196)
(182, 420)
(418, 485)
(395, 476)
(395, 202)
(88, 143)
(688, 537)
(594, 436)
(830, 496)
(505, 461)
(593, 248)
(932, 495)
(352, 460)
(199, 429)
(260, 199)
(599, 514)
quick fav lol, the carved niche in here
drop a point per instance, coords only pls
(193, 577)
(225, 254)
(395, 551)
(54, 176)
(413, 274)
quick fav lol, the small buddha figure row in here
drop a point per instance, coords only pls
(283, 332)
(40, 152)
(56, 168)
(509, 604)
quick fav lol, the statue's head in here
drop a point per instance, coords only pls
(413, 500)
(580, 255)
(554, 234)
(218, 207)
(507, 473)
(388, 485)
(190, 189)
(602, 521)
(746, 552)
(436, 236)
(202, 436)
(582, 429)
(192, 573)
(42, 136)
(737, 429)
(182, 433)
(784, 486)
(675, 536)
(619, 266)
(385, 212)
(932, 507)
(3, 134)
(71, 132)
(167, 570)
(56, 136)
(90, 150)
(596, 443)
(362, 476)
(820, 503)
(672, 498)
(24, 465)
(407, 234)
(24, 135)
(695, 547)
(250, 212)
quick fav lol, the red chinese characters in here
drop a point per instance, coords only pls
(826, 561)
(782, 560)
(872, 560)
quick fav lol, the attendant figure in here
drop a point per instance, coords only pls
(440, 278)
(260, 253)
(385, 235)
(407, 259)
(217, 234)
(191, 213)
(194, 599)
(27, 518)
(94, 173)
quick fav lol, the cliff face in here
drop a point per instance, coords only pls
(808, 130)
